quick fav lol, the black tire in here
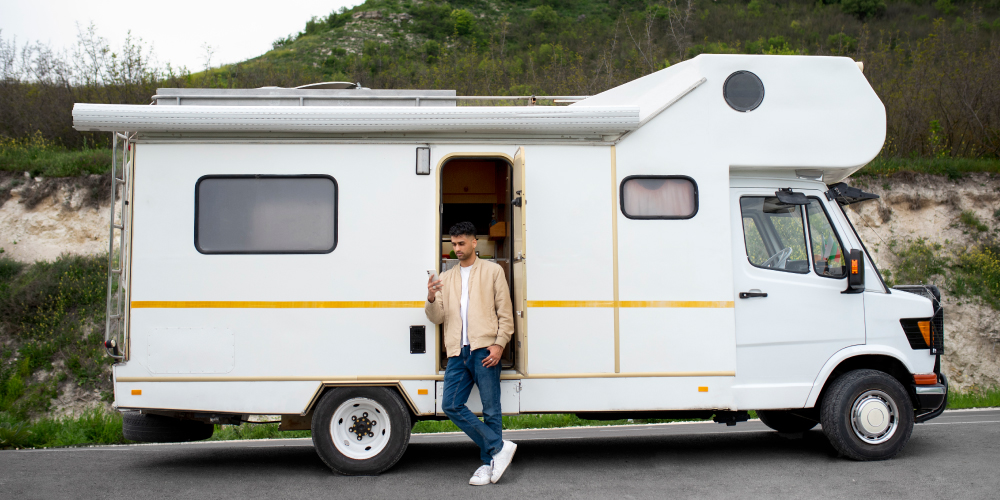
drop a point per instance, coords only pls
(146, 428)
(840, 428)
(399, 421)
(785, 421)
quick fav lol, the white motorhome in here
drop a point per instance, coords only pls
(675, 247)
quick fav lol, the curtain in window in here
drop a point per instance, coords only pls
(651, 197)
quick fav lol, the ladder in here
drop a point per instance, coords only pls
(116, 328)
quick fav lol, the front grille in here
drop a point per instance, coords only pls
(937, 321)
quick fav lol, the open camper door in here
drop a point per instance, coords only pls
(518, 254)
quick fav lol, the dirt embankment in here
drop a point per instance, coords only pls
(916, 206)
(43, 218)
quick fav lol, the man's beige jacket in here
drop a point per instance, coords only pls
(491, 320)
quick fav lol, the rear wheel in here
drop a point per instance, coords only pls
(361, 430)
(147, 428)
(867, 415)
(785, 421)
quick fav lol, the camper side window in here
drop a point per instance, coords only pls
(774, 234)
(250, 214)
(659, 197)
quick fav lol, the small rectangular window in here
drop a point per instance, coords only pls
(659, 197)
(265, 214)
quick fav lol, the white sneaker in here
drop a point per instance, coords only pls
(482, 476)
(502, 459)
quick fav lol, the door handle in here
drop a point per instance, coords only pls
(752, 293)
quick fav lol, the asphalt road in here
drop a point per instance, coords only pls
(954, 456)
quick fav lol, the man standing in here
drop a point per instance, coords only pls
(473, 302)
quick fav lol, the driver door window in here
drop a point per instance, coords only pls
(774, 234)
(827, 253)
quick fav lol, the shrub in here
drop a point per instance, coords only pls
(970, 219)
(917, 262)
(545, 16)
(841, 43)
(464, 21)
(863, 9)
(978, 274)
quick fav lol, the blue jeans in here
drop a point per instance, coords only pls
(463, 371)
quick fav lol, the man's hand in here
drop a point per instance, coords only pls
(493, 357)
(432, 288)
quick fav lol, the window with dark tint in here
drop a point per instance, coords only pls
(827, 253)
(774, 234)
(659, 197)
(257, 214)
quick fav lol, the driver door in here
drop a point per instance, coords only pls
(795, 255)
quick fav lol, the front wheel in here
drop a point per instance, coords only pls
(867, 415)
(361, 430)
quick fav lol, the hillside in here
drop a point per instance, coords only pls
(932, 63)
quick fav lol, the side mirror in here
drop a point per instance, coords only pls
(855, 272)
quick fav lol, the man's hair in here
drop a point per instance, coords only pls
(463, 229)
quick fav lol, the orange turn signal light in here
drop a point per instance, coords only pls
(422, 392)
(702, 389)
(925, 331)
(137, 392)
(925, 378)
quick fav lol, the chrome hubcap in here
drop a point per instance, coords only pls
(874, 417)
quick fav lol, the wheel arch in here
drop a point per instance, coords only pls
(391, 384)
(884, 359)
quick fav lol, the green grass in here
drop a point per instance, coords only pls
(98, 427)
(953, 168)
(254, 431)
(43, 158)
(974, 398)
(51, 330)
(91, 428)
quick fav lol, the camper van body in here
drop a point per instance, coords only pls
(616, 313)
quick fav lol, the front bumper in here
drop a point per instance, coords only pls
(930, 397)
(929, 401)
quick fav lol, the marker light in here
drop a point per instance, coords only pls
(422, 392)
(925, 330)
(925, 378)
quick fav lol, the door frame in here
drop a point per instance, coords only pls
(438, 204)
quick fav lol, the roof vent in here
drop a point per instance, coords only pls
(330, 86)
(743, 91)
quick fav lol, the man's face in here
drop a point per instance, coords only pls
(464, 246)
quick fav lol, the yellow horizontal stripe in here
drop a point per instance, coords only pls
(714, 304)
(391, 379)
(207, 304)
(389, 304)
(571, 303)
(678, 303)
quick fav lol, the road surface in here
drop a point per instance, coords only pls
(954, 456)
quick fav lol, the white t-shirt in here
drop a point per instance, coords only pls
(465, 304)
